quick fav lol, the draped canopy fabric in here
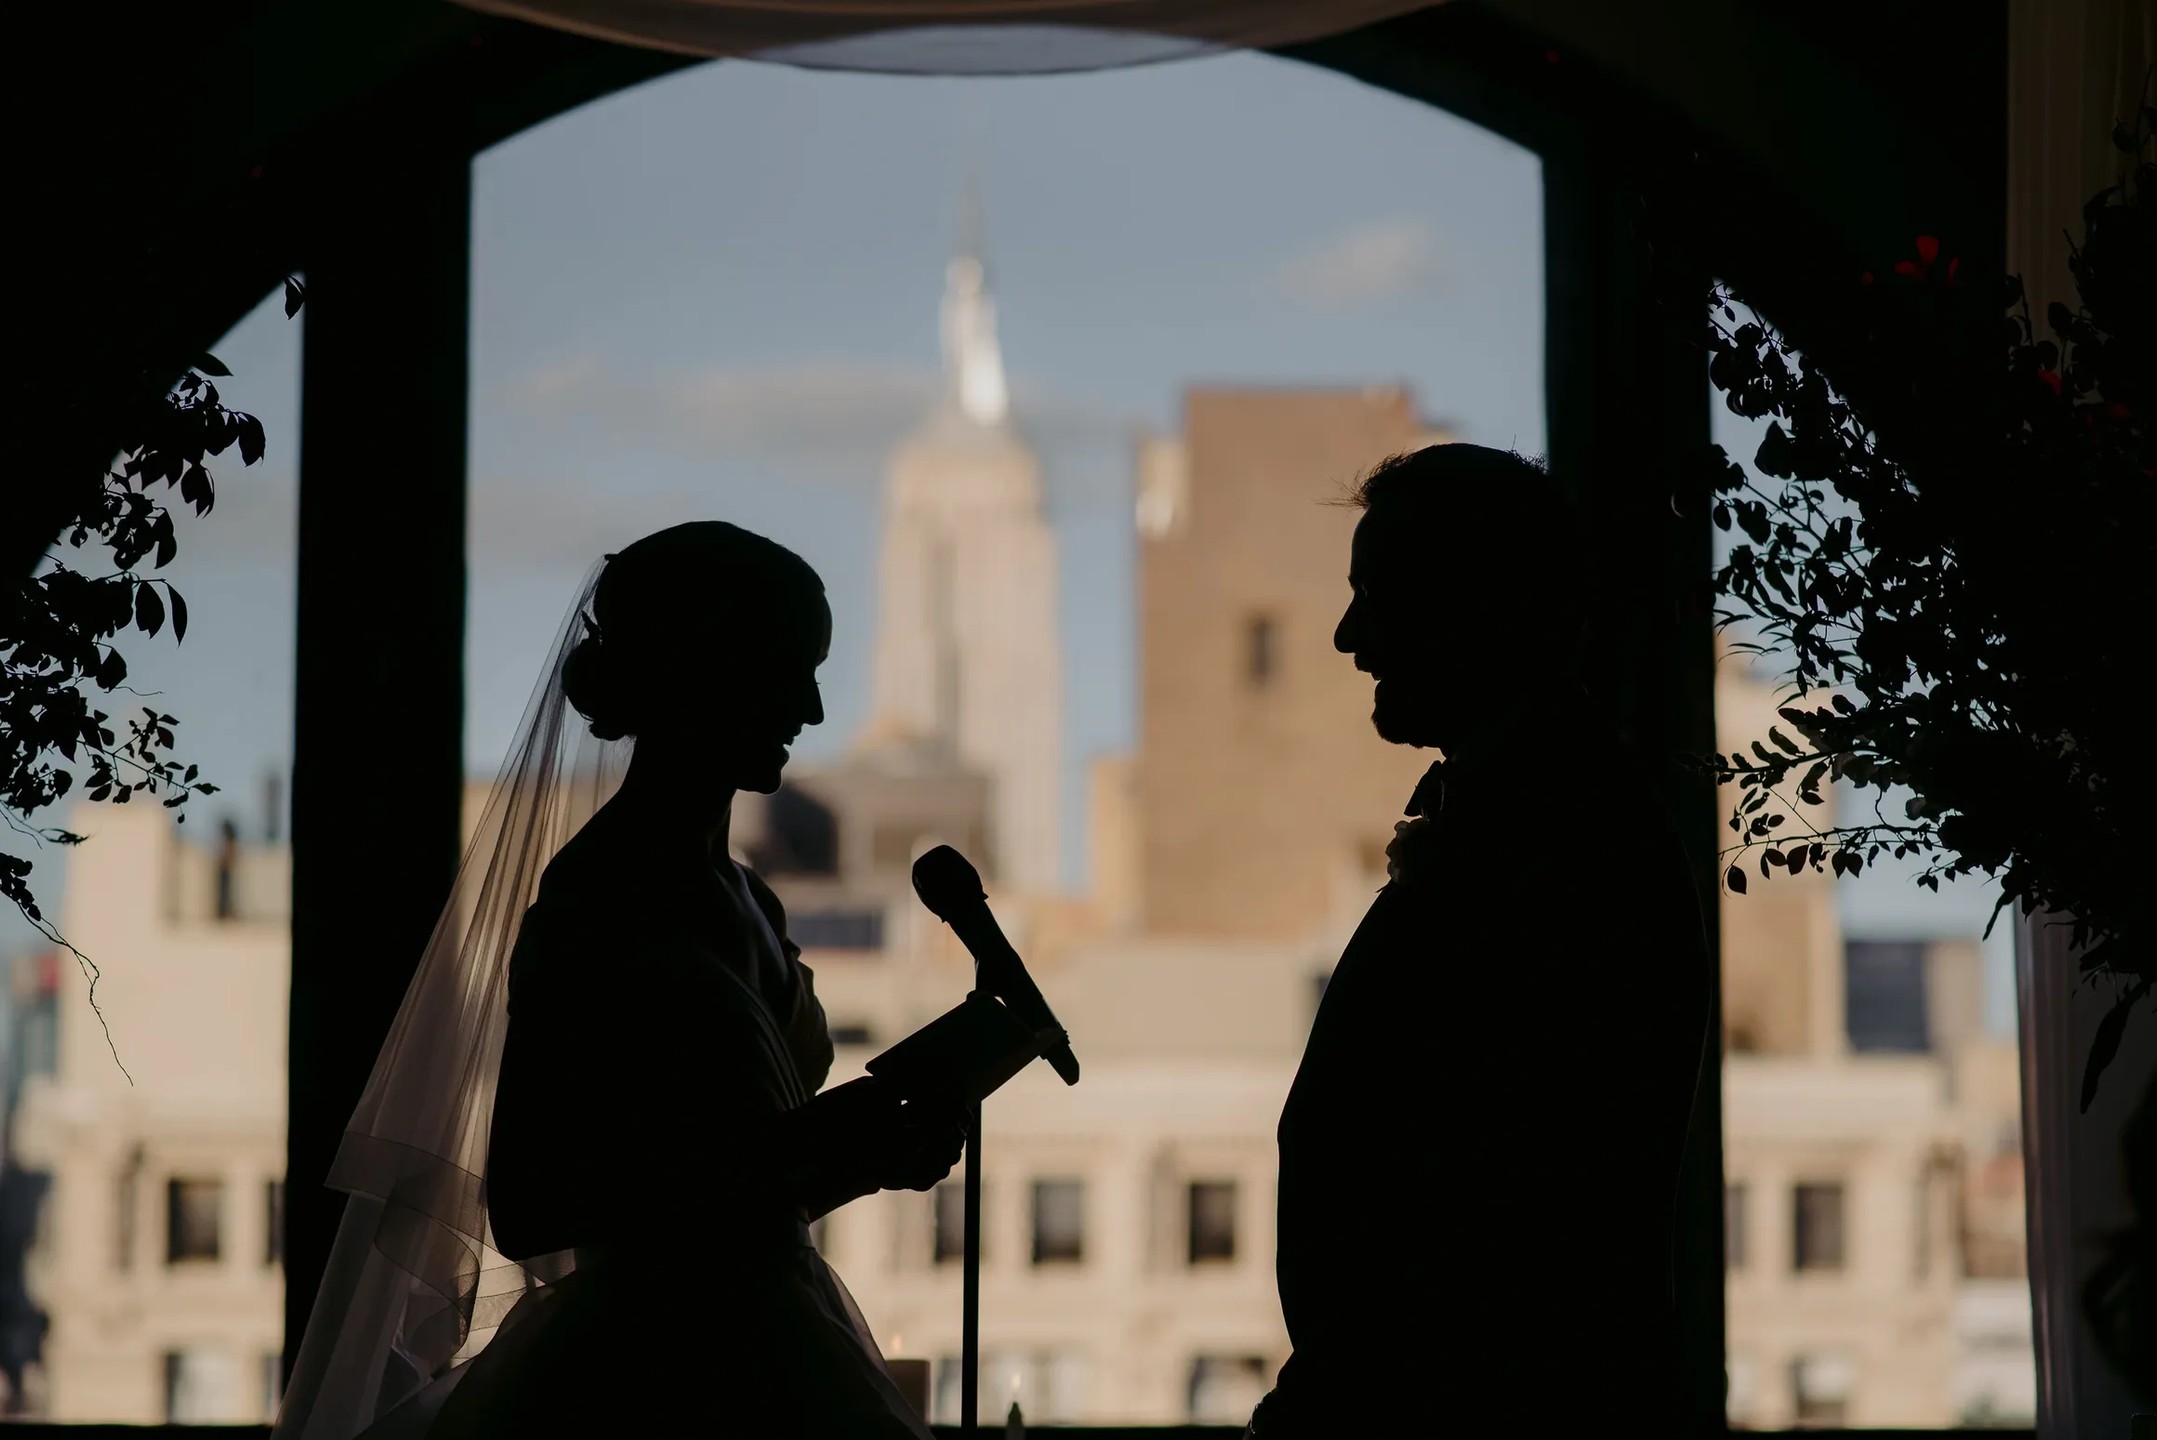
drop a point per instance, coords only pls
(952, 37)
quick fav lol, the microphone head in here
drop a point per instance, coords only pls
(946, 881)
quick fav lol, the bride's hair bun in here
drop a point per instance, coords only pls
(713, 580)
(592, 682)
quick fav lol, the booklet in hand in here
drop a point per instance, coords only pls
(968, 1051)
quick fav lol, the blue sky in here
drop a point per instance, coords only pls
(715, 295)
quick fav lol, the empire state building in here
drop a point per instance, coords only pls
(968, 666)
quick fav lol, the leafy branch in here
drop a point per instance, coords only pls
(1956, 583)
(61, 630)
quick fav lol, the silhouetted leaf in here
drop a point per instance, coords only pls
(179, 614)
(1735, 879)
(195, 489)
(211, 365)
(149, 609)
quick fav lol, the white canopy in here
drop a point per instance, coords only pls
(952, 37)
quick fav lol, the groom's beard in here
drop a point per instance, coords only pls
(1407, 713)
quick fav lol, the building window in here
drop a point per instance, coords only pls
(1371, 855)
(126, 1211)
(1059, 1221)
(1820, 1387)
(1921, 1250)
(1211, 1208)
(1817, 1239)
(801, 836)
(1734, 1226)
(1740, 1391)
(194, 1216)
(273, 1223)
(950, 1385)
(1884, 1005)
(852, 1033)
(838, 929)
(1225, 1389)
(228, 861)
(201, 1387)
(948, 1240)
(1261, 643)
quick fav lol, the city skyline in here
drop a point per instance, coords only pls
(662, 329)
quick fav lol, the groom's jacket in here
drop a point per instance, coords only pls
(1480, 1151)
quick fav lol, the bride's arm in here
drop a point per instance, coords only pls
(801, 1015)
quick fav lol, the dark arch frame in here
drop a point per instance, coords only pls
(339, 143)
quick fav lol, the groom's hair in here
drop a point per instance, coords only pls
(1494, 523)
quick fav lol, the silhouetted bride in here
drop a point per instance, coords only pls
(616, 1033)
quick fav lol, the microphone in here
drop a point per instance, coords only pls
(951, 889)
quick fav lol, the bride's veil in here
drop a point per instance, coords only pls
(414, 1285)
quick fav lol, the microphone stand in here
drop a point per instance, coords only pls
(970, 1285)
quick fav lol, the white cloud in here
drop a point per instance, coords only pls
(812, 406)
(573, 484)
(815, 411)
(1373, 261)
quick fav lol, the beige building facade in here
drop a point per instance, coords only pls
(156, 1261)
(1873, 1218)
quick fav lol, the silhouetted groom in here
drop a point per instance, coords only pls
(1479, 1156)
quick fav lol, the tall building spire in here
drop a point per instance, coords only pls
(973, 363)
(969, 667)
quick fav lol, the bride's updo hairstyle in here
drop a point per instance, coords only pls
(679, 605)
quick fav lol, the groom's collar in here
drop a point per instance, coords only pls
(1429, 795)
(1531, 734)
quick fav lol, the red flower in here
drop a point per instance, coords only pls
(2050, 379)
(1908, 268)
(2118, 410)
(1928, 248)
(1864, 277)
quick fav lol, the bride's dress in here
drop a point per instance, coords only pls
(659, 1026)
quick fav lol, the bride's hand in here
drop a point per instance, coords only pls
(862, 1136)
(931, 1136)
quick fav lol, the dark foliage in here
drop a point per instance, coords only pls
(61, 627)
(1957, 585)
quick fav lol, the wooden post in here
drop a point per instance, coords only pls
(1627, 411)
(379, 705)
